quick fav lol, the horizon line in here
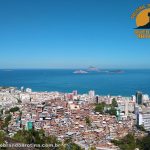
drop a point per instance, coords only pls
(72, 68)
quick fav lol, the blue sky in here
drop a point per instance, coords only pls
(71, 34)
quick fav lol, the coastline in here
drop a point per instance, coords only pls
(63, 80)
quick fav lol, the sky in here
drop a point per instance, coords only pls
(71, 34)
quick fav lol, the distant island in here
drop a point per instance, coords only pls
(94, 69)
(80, 72)
(91, 68)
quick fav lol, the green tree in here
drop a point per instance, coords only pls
(141, 128)
(88, 121)
(1, 111)
(7, 120)
(7, 112)
(127, 143)
(112, 111)
(14, 109)
(114, 103)
(74, 146)
(2, 137)
(92, 148)
(100, 107)
(22, 136)
(144, 143)
(37, 137)
(69, 145)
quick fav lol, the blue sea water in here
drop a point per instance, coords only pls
(64, 80)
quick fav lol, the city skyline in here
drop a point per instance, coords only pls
(71, 34)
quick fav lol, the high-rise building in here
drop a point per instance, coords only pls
(22, 89)
(126, 107)
(96, 99)
(146, 121)
(75, 92)
(139, 119)
(136, 109)
(28, 90)
(143, 118)
(133, 98)
(139, 97)
(91, 93)
(145, 98)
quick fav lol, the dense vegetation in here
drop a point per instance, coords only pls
(2, 136)
(129, 142)
(39, 137)
(141, 128)
(14, 109)
(105, 108)
(7, 120)
(100, 107)
(144, 143)
(69, 145)
(114, 103)
(112, 111)
(4, 123)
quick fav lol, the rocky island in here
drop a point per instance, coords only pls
(80, 72)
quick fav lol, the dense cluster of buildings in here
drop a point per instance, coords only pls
(64, 115)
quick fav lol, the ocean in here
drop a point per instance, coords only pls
(64, 80)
